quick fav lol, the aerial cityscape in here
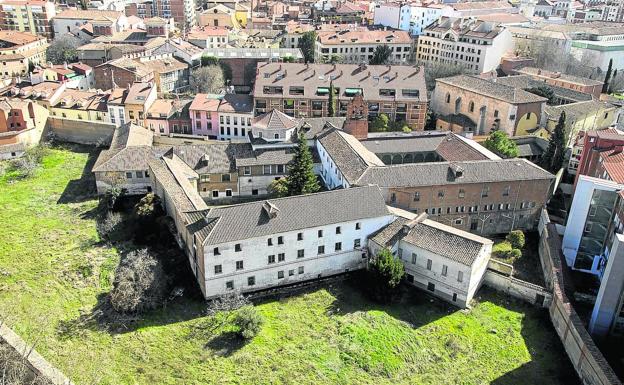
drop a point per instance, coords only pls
(312, 192)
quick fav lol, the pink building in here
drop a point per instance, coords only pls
(204, 115)
(167, 116)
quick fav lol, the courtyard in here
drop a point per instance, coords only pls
(54, 269)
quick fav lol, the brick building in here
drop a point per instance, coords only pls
(470, 103)
(302, 90)
(576, 83)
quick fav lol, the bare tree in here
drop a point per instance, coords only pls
(434, 71)
(63, 50)
(208, 79)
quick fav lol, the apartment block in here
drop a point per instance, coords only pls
(475, 44)
(18, 51)
(354, 46)
(31, 16)
(302, 90)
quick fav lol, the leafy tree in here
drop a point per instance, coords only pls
(381, 55)
(516, 239)
(385, 273)
(334, 59)
(207, 79)
(278, 188)
(63, 50)
(331, 104)
(208, 60)
(140, 283)
(605, 86)
(307, 43)
(544, 91)
(380, 123)
(301, 178)
(288, 59)
(249, 321)
(552, 159)
(499, 143)
(431, 118)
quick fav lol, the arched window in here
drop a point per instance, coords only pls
(448, 97)
(457, 105)
(471, 106)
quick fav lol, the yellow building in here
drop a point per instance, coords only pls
(581, 116)
(242, 13)
(18, 50)
(219, 15)
(32, 16)
(81, 105)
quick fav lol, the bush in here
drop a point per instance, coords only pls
(107, 226)
(113, 196)
(140, 283)
(514, 254)
(384, 275)
(249, 322)
(516, 239)
(25, 166)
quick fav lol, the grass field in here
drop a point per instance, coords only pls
(53, 269)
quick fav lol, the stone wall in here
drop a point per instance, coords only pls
(35, 361)
(81, 131)
(585, 356)
(523, 290)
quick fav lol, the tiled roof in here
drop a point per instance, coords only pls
(205, 102)
(466, 27)
(526, 82)
(441, 173)
(180, 197)
(18, 38)
(138, 92)
(475, 5)
(236, 103)
(364, 37)
(91, 14)
(270, 156)
(164, 65)
(349, 155)
(492, 89)
(533, 71)
(250, 220)
(613, 163)
(275, 120)
(578, 110)
(130, 134)
(367, 78)
(206, 32)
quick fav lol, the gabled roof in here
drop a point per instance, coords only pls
(275, 120)
(252, 220)
(492, 89)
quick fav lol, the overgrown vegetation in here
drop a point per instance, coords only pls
(544, 91)
(63, 49)
(383, 276)
(382, 123)
(14, 369)
(499, 143)
(26, 165)
(510, 249)
(307, 44)
(207, 80)
(54, 269)
(381, 55)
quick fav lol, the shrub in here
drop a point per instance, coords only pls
(384, 275)
(514, 254)
(140, 283)
(516, 238)
(249, 322)
(113, 196)
(108, 225)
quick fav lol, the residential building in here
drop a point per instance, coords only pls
(19, 51)
(45, 94)
(116, 106)
(218, 15)
(581, 116)
(410, 17)
(470, 103)
(300, 238)
(166, 116)
(294, 30)
(576, 83)
(477, 45)
(339, 12)
(357, 45)
(182, 50)
(81, 105)
(74, 75)
(103, 22)
(22, 123)
(476, 9)
(223, 117)
(447, 262)
(302, 90)
(170, 74)
(182, 12)
(122, 73)
(140, 8)
(209, 37)
(138, 101)
(204, 115)
(485, 196)
(30, 16)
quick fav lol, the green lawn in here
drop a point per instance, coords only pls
(52, 268)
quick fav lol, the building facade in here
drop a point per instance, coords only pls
(31, 16)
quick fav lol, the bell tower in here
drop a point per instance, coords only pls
(357, 117)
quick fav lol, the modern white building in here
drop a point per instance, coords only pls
(477, 45)
(275, 242)
(357, 46)
(235, 117)
(447, 262)
(410, 17)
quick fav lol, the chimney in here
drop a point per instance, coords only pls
(407, 227)
(618, 148)
(270, 209)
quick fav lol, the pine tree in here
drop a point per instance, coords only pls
(301, 178)
(552, 159)
(331, 105)
(610, 90)
(605, 86)
(307, 43)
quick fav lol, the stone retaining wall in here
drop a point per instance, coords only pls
(81, 131)
(523, 290)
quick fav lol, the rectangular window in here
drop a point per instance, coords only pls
(506, 191)
(281, 257)
(228, 192)
(271, 259)
(239, 265)
(215, 251)
(320, 233)
(229, 285)
(266, 169)
(414, 256)
(291, 273)
(444, 270)
(454, 297)
(462, 193)
(300, 270)
(247, 170)
(215, 193)
(338, 246)
(358, 226)
(238, 247)
(485, 191)
(400, 253)
(251, 281)
(300, 236)
(416, 196)
(270, 242)
(280, 240)
(431, 286)
(429, 263)
(218, 269)
(225, 177)
(300, 253)
(356, 243)
(338, 230)
(321, 250)
(460, 276)
(280, 274)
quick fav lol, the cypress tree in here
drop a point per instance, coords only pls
(605, 86)
(552, 159)
(331, 104)
(301, 178)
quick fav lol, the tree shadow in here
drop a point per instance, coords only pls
(82, 189)
(225, 344)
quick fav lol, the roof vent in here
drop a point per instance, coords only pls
(456, 170)
(270, 209)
